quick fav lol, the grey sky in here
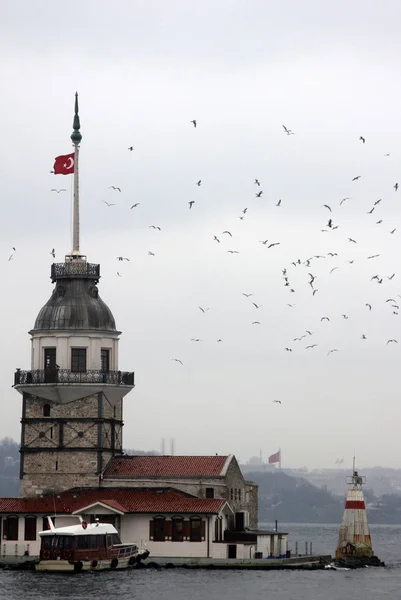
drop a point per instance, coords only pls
(328, 71)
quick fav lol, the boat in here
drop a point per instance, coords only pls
(86, 547)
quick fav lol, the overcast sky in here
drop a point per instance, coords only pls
(329, 71)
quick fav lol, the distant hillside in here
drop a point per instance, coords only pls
(9, 468)
(295, 500)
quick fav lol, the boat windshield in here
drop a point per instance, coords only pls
(61, 542)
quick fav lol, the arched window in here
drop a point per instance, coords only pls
(10, 528)
(195, 529)
(30, 528)
(46, 410)
(159, 534)
(178, 529)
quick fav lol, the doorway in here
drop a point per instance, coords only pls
(232, 551)
(50, 365)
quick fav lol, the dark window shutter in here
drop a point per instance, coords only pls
(151, 529)
(168, 529)
(186, 529)
(202, 528)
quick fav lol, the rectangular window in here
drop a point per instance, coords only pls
(159, 534)
(195, 535)
(10, 529)
(209, 492)
(78, 360)
(30, 529)
(105, 360)
(239, 495)
(232, 493)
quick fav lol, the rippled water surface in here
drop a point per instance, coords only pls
(180, 584)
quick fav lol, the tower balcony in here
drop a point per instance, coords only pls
(64, 385)
(65, 376)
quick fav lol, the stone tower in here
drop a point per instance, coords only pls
(72, 409)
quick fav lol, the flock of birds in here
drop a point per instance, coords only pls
(308, 262)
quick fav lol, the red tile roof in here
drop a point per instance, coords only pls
(165, 466)
(135, 500)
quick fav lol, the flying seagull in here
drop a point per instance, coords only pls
(178, 360)
(155, 227)
(229, 233)
(334, 350)
(389, 341)
(216, 239)
(194, 122)
(114, 187)
(191, 203)
(109, 203)
(288, 131)
(257, 182)
(255, 322)
(256, 305)
(58, 191)
(312, 346)
(199, 182)
(195, 340)
(274, 244)
(396, 186)
(351, 240)
(150, 253)
(277, 401)
(203, 309)
(279, 203)
(53, 253)
(121, 258)
(131, 148)
(134, 205)
(362, 139)
(259, 194)
(233, 251)
(327, 206)
(357, 177)
(343, 200)
(325, 319)
(246, 295)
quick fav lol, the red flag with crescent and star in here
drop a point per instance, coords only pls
(64, 165)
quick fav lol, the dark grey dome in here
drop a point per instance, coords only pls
(75, 304)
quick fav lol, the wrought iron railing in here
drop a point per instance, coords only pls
(75, 268)
(36, 377)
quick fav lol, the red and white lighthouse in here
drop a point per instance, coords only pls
(354, 536)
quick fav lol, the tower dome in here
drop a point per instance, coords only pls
(75, 303)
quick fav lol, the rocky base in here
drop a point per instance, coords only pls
(358, 562)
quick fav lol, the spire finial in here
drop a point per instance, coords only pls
(76, 134)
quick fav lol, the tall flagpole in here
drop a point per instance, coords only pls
(76, 138)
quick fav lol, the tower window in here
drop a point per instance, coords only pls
(105, 360)
(46, 410)
(78, 360)
(56, 465)
(209, 492)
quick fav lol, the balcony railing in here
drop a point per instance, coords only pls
(36, 377)
(75, 269)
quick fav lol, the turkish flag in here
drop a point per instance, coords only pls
(274, 458)
(64, 165)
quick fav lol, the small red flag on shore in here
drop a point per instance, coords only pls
(64, 165)
(274, 458)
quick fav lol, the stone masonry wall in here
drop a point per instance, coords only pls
(60, 468)
(74, 469)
